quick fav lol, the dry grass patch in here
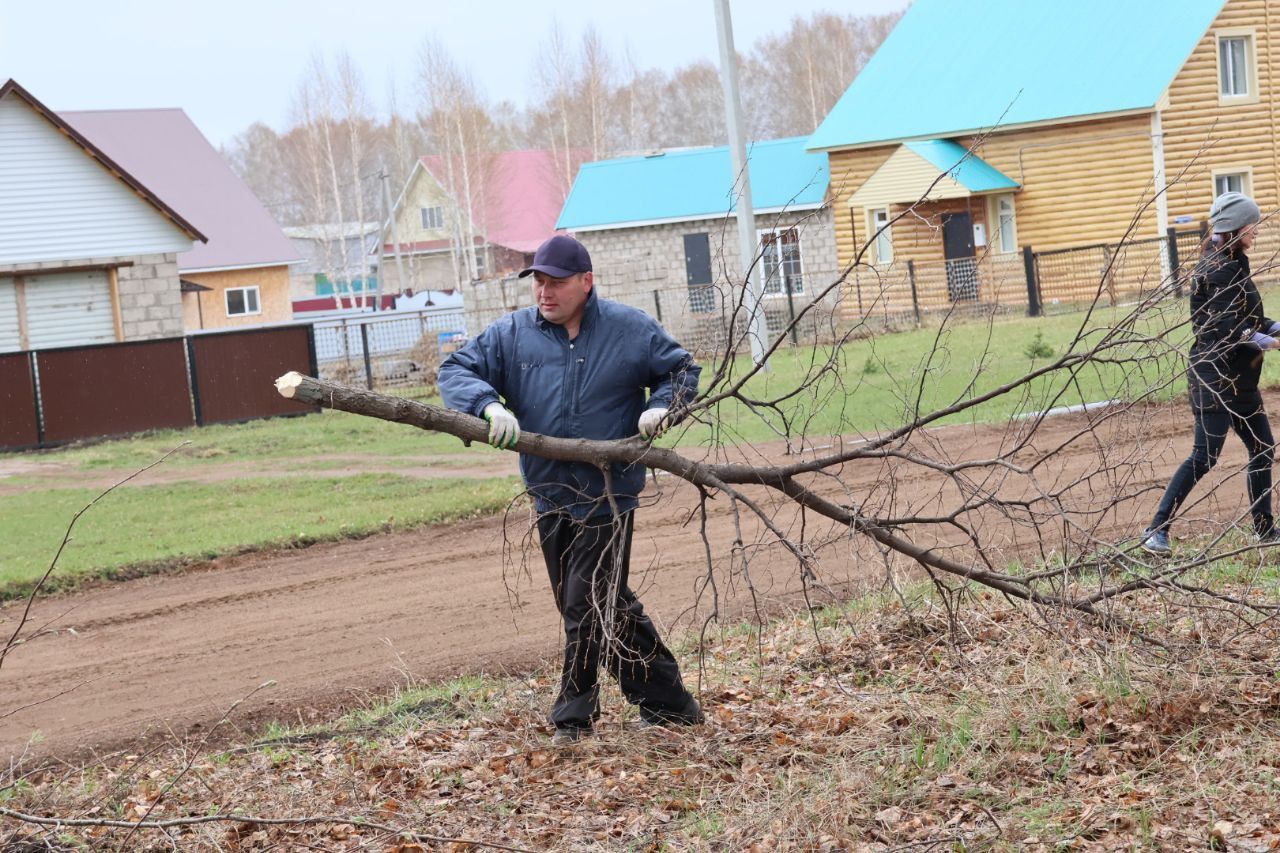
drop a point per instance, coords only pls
(882, 727)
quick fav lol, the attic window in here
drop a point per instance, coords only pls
(433, 217)
(1237, 81)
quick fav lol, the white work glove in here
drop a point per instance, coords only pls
(504, 429)
(651, 422)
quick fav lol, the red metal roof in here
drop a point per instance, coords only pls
(166, 151)
(521, 196)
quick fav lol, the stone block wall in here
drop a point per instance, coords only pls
(150, 297)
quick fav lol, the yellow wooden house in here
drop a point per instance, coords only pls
(979, 130)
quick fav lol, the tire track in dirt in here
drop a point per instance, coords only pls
(332, 624)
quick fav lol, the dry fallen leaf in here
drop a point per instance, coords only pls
(889, 816)
(1219, 834)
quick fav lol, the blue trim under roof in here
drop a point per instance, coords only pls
(693, 184)
(973, 173)
(950, 68)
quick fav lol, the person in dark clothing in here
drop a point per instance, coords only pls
(1232, 333)
(577, 366)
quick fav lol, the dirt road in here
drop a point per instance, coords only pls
(333, 624)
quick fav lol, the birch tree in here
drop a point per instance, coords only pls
(455, 120)
(793, 79)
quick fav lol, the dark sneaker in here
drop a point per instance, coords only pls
(569, 735)
(1270, 537)
(689, 715)
(1156, 542)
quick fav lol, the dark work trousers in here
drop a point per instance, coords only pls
(1211, 432)
(588, 562)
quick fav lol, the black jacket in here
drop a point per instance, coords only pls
(1225, 312)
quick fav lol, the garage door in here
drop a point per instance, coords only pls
(69, 309)
(9, 341)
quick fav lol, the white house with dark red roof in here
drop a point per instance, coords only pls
(451, 228)
(88, 251)
(240, 276)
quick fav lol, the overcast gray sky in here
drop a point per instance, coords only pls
(232, 62)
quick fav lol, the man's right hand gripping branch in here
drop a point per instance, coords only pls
(504, 429)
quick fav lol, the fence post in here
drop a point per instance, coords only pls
(1172, 237)
(35, 392)
(346, 345)
(368, 366)
(194, 378)
(791, 313)
(311, 350)
(915, 296)
(1033, 286)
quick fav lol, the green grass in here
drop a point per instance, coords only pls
(158, 525)
(880, 380)
(324, 437)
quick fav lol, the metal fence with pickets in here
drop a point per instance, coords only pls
(387, 349)
(1111, 273)
(1026, 282)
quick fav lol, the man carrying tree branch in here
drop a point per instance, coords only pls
(577, 366)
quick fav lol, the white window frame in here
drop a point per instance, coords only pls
(1248, 36)
(882, 244)
(773, 282)
(257, 299)
(998, 235)
(432, 217)
(1244, 173)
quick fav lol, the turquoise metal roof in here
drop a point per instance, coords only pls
(693, 184)
(950, 68)
(973, 173)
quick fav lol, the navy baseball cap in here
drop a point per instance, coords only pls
(559, 257)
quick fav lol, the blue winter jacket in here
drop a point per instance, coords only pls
(591, 387)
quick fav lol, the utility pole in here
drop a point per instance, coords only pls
(388, 212)
(757, 325)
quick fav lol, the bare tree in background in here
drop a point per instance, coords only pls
(793, 79)
(357, 121)
(589, 105)
(458, 128)
(257, 155)
(403, 141)
(331, 143)
(693, 107)
(559, 123)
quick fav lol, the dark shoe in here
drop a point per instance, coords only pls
(1264, 527)
(1156, 542)
(689, 715)
(569, 735)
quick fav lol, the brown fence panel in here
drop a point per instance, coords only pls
(19, 423)
(113, 389)
(235, 372)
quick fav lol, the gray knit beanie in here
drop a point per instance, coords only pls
(1232, 211)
